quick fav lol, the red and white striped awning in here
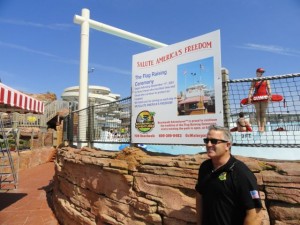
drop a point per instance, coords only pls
(12, 100)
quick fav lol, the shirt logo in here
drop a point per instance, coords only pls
(254, 194)
(222, 176)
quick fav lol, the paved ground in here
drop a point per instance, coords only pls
(28, 205)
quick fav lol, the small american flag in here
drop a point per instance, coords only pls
(254, 194)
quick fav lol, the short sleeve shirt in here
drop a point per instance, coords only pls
(227, 192)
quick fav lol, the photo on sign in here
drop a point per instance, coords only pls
(196, 95)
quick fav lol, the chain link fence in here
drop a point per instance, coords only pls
(282, 127)
(111, 122)
(105, 123)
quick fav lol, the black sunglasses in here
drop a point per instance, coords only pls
(213, 141)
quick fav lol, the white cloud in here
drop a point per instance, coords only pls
(98, 66)
(271, 48)
(37, 25)
(25, 49)
(112, 69)
(63, 60)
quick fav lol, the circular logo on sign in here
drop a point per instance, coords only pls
(145, 121)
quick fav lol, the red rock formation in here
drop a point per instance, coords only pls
(132, 187)
(45, 97)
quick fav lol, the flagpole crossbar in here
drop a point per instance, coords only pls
(119, 32)
(86, 23)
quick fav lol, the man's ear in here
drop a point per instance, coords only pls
(228, 144)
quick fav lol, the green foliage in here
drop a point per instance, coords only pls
(23, 144)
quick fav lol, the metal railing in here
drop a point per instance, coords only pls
(38, 120)
(8, 169)
(282, 116)
(52, 108)
(111, 122)
(105, 123)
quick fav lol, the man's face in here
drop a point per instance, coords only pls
(219, 149)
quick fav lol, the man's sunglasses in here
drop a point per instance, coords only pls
(213, 141)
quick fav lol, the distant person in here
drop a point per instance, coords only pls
(104, 134)
(242, 123)
(260, 95)
(110, 135)
(227, 190)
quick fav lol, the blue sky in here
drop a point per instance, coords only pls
(193, 73)
(40, 43)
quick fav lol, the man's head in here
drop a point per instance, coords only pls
(218, 141)
(241, 114)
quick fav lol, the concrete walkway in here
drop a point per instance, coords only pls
(28, 205)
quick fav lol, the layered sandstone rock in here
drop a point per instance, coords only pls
(29, 158)
(133, 187)
(45, 97)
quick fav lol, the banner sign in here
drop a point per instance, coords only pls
(177, 92)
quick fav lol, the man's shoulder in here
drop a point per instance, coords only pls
(206, 164)
(238, 163)
(241, 169)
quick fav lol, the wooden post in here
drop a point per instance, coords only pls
(59, 134)
(31, 139)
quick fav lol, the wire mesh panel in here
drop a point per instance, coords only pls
(282, 121)
(109, 122)
(112, 122)
(81, 134)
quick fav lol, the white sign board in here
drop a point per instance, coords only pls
(177, 92)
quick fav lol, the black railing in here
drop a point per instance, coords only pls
(111, 122)
(105, 123)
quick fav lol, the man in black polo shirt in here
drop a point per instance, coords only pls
(227, 189)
